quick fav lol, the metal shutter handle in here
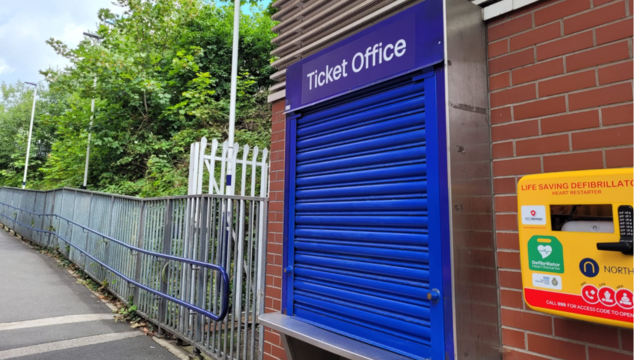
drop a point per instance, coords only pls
(434, 295)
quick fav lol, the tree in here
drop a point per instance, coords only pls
(162, 83)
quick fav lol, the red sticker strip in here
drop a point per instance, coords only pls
(575, 304)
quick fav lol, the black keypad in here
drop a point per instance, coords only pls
(625, 217)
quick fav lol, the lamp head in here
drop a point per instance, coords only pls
(92, 35)
(30, 83)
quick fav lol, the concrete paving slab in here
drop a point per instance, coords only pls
(39, 335)
(33, 286)
(138, 348)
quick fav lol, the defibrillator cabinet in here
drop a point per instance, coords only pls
(576, 244)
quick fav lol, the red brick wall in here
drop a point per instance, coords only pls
(272, 345)
(561, 99)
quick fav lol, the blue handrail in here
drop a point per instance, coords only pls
(225, 277)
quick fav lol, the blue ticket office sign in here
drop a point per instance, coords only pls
(410, 40)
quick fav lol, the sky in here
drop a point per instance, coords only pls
(25, 25)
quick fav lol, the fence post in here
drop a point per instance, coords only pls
(141, 222)
(41, 218)
(166, 249)
(262, 263)
(205, 208)
(240, 269)
(86, 240)
(107, 244)
(192, 166)
(33, 223)
(53, 209)
(73, 217)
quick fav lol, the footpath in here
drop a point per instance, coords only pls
(46, 314)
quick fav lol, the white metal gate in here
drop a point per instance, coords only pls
(208, 165)
(253, 171)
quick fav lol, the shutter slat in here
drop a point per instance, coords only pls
(363, 205)
(374, 252)
(390, 173)
(380, 99)
(383, 288)
(399, 310)
(365, 332)
(399, 156)
(412, 189)
(366, 316)
(351, 235)
(357, 256)
(398, 123)
(403, 139)
(377, 221)
(399, 271)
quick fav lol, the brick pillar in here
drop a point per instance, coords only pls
(561, 99)
(273, 296)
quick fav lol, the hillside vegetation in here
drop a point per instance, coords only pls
(163, 78)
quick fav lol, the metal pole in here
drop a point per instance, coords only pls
(234, 90)
(97, 40)
(33, 112)
(86, 163)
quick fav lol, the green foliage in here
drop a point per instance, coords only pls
(162, 76)
(129, 313)
(16, 102)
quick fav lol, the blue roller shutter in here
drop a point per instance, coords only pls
(358, 231)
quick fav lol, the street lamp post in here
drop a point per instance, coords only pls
(33, 111)
(234, 86)
(232, 123)
(93, 104)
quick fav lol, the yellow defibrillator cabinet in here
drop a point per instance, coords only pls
(576, 244)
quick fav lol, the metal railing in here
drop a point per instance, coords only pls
(165, 255)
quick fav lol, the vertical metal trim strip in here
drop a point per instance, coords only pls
(438, 239)
(289, 211)
(446, 251)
